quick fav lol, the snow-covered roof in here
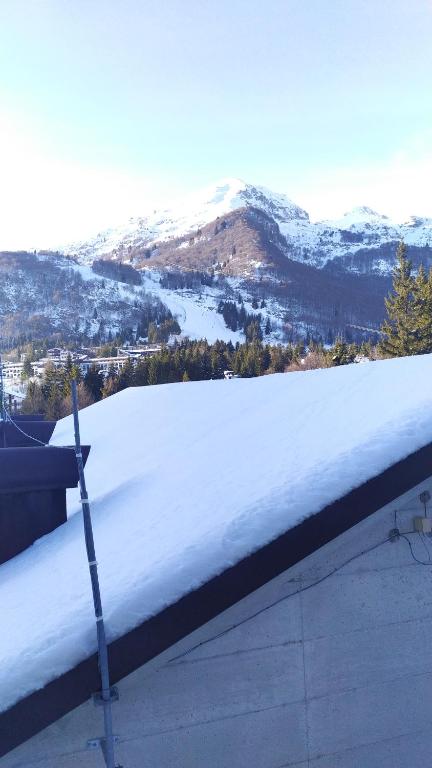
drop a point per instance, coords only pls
(188, 479)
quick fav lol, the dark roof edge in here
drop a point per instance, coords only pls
(129, 652)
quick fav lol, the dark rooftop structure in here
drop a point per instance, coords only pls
(25, 433)
(33, 481)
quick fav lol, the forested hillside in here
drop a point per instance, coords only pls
(45, 294)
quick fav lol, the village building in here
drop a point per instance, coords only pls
(265, 560)
(145, 350)
(12, 371)
(84, 359)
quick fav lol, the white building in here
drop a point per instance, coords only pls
(266, 598)
(103, 364)
(12, 371)
(145, 350)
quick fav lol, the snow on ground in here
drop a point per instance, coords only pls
(196, 314)
(187, 479)
(359, 218)
(198, 318)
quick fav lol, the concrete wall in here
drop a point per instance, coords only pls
(339, 676)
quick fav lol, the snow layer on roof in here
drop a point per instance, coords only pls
(187, 479)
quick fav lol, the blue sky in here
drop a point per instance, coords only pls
(108, 105)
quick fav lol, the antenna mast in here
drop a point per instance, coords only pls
(2, 392)
(107, 694)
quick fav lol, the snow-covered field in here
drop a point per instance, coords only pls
(196, 314)
(185, 480)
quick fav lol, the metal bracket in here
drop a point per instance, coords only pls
(98, 699)
(100, 744)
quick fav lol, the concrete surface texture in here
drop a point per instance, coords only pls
(336, 676)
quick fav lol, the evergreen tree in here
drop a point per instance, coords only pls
(110, 387)
(423, 311)
(53, 382)
(54, 409)
(34, 401)
(401, 327)
(94, 382)
(125, 377)
(27, 371)
(153, 371)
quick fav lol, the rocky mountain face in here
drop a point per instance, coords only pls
(300, 239)
(323, 278)
(188, 216)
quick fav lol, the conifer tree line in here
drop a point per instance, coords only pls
(52, 396)
(238, 319)
(182, 362)
(407, 330)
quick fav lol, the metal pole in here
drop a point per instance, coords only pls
(2, 393)
(108, 750)
(2, 402)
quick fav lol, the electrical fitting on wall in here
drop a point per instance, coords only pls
(423, 524)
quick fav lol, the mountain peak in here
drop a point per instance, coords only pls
(223, 193)
(418, 221)
(359, 218)
(222, 190)
(190, 214)
(363, 212)
(231, 193)
(316, 242)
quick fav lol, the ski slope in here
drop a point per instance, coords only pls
(195, 313)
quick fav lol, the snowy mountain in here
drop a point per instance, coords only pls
(191, 214)
(314, 243)
(232, 242)
(361, 228)
(324, 278)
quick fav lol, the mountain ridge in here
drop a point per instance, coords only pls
(233, 243)
(312, 242)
